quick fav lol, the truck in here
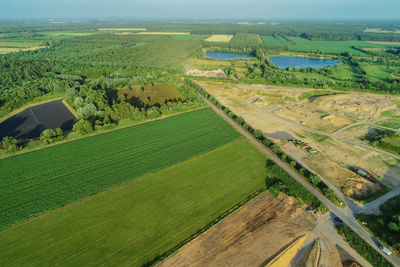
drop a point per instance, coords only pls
(364, 173)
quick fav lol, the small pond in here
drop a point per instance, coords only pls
(227, 56)
(303, 62)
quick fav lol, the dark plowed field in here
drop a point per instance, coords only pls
(31, 122)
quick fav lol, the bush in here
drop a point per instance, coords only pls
(83, 127)
(362, 247)
(279, 180)
(49, 135)
(10, 144)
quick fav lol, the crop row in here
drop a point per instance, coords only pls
(35, 182)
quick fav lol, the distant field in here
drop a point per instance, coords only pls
(385, 43)
(165, 33)
(19, 44)
(67, 33)
(377, 30)
(378, 72)
(10, 50)
(199, 37)
(133, 223)
(246, 39)
(62, 174)
(335, 47)
(224, 38)
(121, 29)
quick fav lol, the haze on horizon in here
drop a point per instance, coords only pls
(206, 9)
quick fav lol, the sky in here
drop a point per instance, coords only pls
(201, 9)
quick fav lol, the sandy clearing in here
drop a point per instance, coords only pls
(337, 154)
(6, 50)
(327, 124)
(207, 73)
(224, 38)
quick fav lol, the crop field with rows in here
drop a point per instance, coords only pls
(132, 224)
(36, 182)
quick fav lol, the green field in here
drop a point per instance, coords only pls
(331, 47)
(198, 37)
(378, 72)
(36, 182)
(345, 72)
(133, 223)
(241, 39)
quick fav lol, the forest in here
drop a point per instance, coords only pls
(90, 68)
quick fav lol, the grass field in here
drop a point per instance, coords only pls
(334, 47)
(378, 72)
(246, 39)
(198, 37)
(165, 33)
(36, 182)
(133, 223)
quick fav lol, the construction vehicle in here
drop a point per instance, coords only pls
(364, 173)
(301, 144)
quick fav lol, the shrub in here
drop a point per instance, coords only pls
(362, 247)
(49, 135)
(83, 127)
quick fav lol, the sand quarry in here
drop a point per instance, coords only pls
(274, 109)
(267, 232)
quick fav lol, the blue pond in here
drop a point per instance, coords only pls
(227, 56)
(302, 62)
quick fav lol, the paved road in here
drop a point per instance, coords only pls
(345, 214)
(373, 206)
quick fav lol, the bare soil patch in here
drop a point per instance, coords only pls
(224, 38)
(297, 112)
(255, 235)
(358, 106)
(389, 43)
(6, 50)
(327, 124)
(239, 98)
(207, 73)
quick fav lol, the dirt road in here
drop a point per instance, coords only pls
(345, 214)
